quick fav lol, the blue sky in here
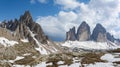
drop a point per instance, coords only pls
(11, 9)
(57, 16)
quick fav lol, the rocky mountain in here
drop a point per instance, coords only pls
(99, 34)
(25, 30)
(83, 32)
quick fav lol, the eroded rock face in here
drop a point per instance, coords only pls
(99, 34)
(83, 32)
(70, 35)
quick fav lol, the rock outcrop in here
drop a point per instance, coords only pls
(70, 35)
(99, 34)
(83, 32)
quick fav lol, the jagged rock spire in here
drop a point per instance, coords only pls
(26, 18)
(70, 35)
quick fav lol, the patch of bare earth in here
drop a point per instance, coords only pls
(115, 51)
(89, 58)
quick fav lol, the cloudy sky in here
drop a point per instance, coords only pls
(58, 16)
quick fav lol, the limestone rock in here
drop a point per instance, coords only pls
(99, 34)
(83, 32)
(70, 35)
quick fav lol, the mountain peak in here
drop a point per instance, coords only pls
(100, 28)
(83, 32)
(99, 33)
(27, 13)
(83, 23)
(26, 17)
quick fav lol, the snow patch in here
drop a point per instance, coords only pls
(41, 49)
(43, 64)
(60, 62)
(21, 66)
(75, 65)
(17, 58)
(109, 58)
(27, 54)
(100, 64)
(25, 40)
(5, 42)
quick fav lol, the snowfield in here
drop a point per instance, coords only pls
(90, 45)
(6, 43)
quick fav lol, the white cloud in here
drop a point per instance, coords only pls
(68, 4)
(67, 16)
(106, 12)
(57, 25)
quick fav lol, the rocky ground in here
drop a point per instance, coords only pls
(65, 59)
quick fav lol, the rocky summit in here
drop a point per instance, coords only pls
(83, 32)
(99, 34)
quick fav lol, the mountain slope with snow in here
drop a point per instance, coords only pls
(5, 42)
(89, 45)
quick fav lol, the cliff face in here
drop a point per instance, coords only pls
(70, 35)
(99, 34)
(83, 32)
